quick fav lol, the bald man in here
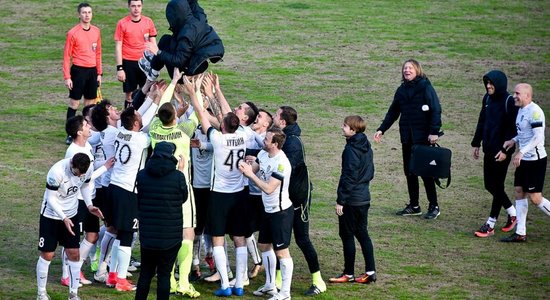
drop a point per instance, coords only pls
(530, 161)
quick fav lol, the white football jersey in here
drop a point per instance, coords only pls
(229, 150)
(130, 154)
(66, 186)
(87, 149)
(99, 154)
(201, 161)
(530, 124)
(278, 167)
(108, 136)
(253, 189)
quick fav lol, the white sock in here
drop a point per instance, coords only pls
(106, 249)
(521, 209)
(113, 263)
(42, 268)
(207, 240)
(511, 211)
(227, 262)
(269, 260)
(221, 265)
(74, 272)
(545, 206)
(124, 254)
(85, 248)
(287, 267)
(491, 221)
(64, 264)
(252, 247)
(241, 260)
(134, 238)
(197, 250)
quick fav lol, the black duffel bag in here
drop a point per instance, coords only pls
(431, 161)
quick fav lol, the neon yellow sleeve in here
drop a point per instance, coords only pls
(167, 96)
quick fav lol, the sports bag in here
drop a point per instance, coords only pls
(431, 161)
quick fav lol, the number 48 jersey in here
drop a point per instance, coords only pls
(229, 150)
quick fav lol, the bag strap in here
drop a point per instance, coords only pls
(506, 103)
(438, 182)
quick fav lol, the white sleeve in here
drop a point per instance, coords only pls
(538, 137)
(98, 172)
(147, 117)
(51, 199)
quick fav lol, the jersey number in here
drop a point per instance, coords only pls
(230, 159)
(123, 158)
(136, 224)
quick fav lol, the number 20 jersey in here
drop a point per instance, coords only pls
(130, 152)
(229, 150)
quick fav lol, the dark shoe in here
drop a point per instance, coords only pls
(510, 224)
(515, 238)
(148, 55)
(433, 213)
(69, 140)
(195, 275)
(366, 279)
(485, 231)
(223, 292)
(409, 210)
(145, 66)
(342, 278)
(239, 292)
(313, 290)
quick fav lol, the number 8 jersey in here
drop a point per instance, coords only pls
(229, 150)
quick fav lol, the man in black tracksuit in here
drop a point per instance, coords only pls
(496, 124)
(161, 192)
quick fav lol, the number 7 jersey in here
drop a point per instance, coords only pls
(229, 150)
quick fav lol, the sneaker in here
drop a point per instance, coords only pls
(190, 292)
(515, 238)
(73, 296)
(68, 140)
(111, 279)
(237, 291)
(409, 210)
(367, 279)
(195, 275)
(67, 281)
(313, 290)
(485, 231)
(433, 213)
(134, 262)
(265, 291)
(131, 268)
(210, 263)
(148, 55)
(223, 292)
(342, 278)
(124, 285)
(246, 282)
(43, 296)
(128, 274)
(510, 224)
(83, 279)
(145, 66)
(216, 277)
(255, 270)
(280, 296)
(101, 277)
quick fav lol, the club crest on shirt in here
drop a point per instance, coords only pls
(52, 182)
(280, 168)
(536, 116)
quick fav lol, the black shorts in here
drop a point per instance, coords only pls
(87, 221)
(124, 208)
(99, 200)
(530, 175)
(51, 232)
(255, 213)
(84, 83)
(107, 208)
(226, 213)
(276, 228)
(201, 204)
(134, 76)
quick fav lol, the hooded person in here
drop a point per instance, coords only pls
(162, 190)
(496, 124)
(191, 46)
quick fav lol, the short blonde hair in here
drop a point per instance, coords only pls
(355, 123)
(417, 67)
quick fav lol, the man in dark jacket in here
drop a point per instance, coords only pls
(496, 124)
(285, 118)
(190, 47)
(353, 202)
(161, 192)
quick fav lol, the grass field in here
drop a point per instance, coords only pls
(328, 59)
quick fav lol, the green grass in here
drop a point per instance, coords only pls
(328, 59)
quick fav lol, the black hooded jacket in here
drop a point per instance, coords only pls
(357, 172)
(418, 105)
(161, 192)
(497, 118)
(193, 41)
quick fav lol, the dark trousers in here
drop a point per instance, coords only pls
(164, 45)
(494, 175)
(412, 180)
(353, 224)
(301, 235)
(161, 263)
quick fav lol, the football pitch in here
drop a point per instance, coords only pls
(328, 59)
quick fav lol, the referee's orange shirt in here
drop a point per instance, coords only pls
(132, 34)
(84, 47)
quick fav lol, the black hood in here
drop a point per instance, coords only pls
(162, 161)
(499, 80)
(359, 142)
(178, 13)
(293, 129)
